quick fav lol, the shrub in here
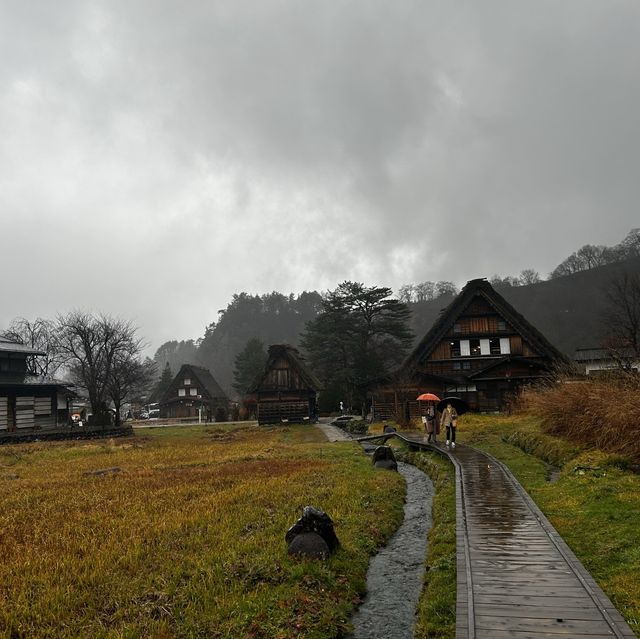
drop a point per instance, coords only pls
(602, 413)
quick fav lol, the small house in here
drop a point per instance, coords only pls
(194, 393)
(286, 391)
(29, 402)
(604, 361)
(480, 349)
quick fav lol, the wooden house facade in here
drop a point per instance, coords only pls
(29, 402)
(286, 391)
(195, 393)
(480, 349)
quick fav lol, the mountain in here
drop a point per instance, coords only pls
(568, 310)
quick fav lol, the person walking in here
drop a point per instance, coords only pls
(449, 421)
(431, 424)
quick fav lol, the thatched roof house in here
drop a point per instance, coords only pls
(285, 391)
(480, 349)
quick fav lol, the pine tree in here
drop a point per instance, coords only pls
(249, 363)
(360, 334)
(163, 383)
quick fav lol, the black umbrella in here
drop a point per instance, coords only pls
(459, 404)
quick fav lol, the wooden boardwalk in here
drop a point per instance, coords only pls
(516, 576)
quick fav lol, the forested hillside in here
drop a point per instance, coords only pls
(566, 309)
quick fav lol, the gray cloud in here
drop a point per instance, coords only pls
(159, 156)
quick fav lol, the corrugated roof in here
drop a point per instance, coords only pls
(597, 354)
(11, 346)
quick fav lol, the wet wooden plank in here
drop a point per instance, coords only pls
(535, 611)
(549, 626)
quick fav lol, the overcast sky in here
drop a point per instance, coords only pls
(158, 156)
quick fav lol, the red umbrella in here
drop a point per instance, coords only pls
(428, 397)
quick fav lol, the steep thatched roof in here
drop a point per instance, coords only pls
(296, 361)
(205, 381)
(480, 288)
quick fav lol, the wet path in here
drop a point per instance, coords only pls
(395, 575)
(516, 576)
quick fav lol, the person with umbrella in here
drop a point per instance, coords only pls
(449, 421)
(429, 418)
(451, 407)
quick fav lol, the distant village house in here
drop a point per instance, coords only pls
(603, 361)
(286, 391)
(29, 402)
(194, 393)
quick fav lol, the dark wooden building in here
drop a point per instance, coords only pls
(285, 391)
(195, 393)
(29, 402)
(480, 349)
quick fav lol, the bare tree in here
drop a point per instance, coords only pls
(129, 377)
(622, 316)
(41, 335)
(445, 288)
(425, 291)
(405, 293)
(630, 246)
(92, 348)
(529, 276)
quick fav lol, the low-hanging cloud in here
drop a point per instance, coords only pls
(159, 156)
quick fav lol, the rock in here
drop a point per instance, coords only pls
(103, 471)
(309, 545)
(386, 464)
(383, 457)
(314, 521)
(388, 429)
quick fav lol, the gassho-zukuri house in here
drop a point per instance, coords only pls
(29, 402)
(286, 391)
(194, 392)
(480, 349)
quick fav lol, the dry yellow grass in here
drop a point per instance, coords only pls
(603, 413)
(187, 539)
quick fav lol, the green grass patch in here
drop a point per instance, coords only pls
(594, 503)
(436, 615)
(187, 539)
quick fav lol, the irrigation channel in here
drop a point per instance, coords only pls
(395, 575)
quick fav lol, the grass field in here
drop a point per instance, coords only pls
(187, 539)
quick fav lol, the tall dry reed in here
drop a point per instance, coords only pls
(601, 412)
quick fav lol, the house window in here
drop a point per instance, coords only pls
(454, 348)
(474, 347)
(182, 392)
(502, 325)
(505, 346)
(466, 366)
(457, 327)
(465, 348)
(457, 366)
(494, 346)
(193, 391)
(484, 347)
(187, 381)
